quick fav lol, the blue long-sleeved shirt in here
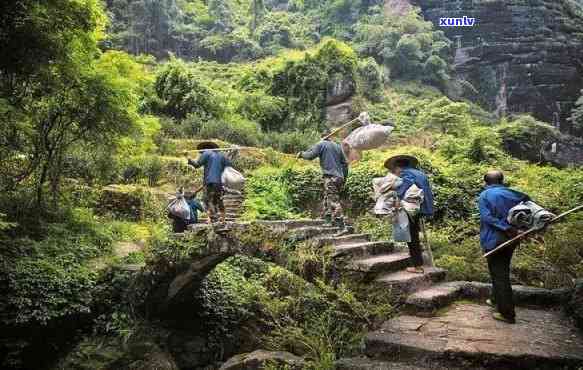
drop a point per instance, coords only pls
(195, 207)
(412, 176)
(214, 164)
(494, 203)
(332, 159)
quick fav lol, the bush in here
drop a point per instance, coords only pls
(236, 130)
(525, 138)
(268, 198)
(291, 142)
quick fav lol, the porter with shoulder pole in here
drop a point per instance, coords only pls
(532, 231)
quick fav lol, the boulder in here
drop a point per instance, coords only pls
(576, 303)
(258, 359)
(339, 114)
(340, 89)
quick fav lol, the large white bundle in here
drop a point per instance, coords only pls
(179, 208)
(368, 137)
(233, 179)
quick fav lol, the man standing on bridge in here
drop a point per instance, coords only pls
(495, 202)
(405, 166)
(334, 170)
(214, 164)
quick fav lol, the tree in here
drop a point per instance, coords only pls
(446, 116)
(222, 13)
(57, 97)
(257, 13)
(181, 92)
(406, 45)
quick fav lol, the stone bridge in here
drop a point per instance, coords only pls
(181, 278)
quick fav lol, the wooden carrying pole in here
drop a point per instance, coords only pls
(226, 149)
(532, 231)
(339, 129)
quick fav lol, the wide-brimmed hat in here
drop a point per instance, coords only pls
(207, 145)
(392, 162)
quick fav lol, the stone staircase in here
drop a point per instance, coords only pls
(446, 325)
(233, 207)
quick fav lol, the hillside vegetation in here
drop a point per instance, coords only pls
(102, 102)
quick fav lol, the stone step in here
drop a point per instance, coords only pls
(435, 297)
(365, 363)
(467, 332)
(344, 240)
(310, 232)
(287, 225)
(383, 263)
(364, 249)
(441, 295)
(404, 282)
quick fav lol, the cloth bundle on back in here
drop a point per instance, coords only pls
(233, 179)
(529, 215)
(388, 204)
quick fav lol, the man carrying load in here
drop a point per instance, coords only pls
(405, 166)
(495, 202)
(334, 170)
(214, 163)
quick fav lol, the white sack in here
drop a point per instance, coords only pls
(233, 179)
(179, 208)
(368, 137)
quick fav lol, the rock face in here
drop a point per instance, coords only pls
(520, 56)
(576, 304)
(258, 359)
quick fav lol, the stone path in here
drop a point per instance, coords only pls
(233, 207)
(443, 330)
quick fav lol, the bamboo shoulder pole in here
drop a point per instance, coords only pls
(532, 231)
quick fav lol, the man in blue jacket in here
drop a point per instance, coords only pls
(214, 164)
(494, 203)
(334, 170)
(406, 167)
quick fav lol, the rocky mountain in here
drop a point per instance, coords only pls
(520, 56)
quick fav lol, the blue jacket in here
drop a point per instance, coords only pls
(214, 164)
(195, 206)
(494, 203)
(332, 159)
(412, 176)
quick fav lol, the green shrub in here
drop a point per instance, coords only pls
(235, 130)
(267, 198)
(526, 137)
(291, 142)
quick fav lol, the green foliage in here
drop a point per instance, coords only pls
(526, 138)
(406, 45)
(371, 79)
(181, 92)
(447, 117)
(304, 83)
(267, 197)
(379, 228)
(291, 142)
(232, 129)
(49, 279)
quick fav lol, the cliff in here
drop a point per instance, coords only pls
(521, 55)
